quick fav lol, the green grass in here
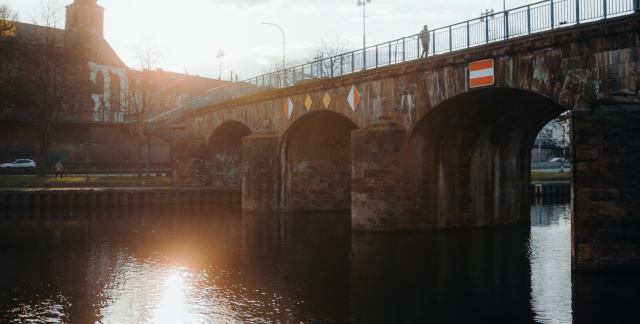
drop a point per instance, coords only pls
(550, 176)
(20, 181)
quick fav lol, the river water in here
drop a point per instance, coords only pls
(211, 264)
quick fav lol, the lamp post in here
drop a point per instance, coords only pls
(484, 17)
(220, 55)
(364, 33)
(283, 60)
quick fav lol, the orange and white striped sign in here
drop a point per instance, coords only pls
(481, 73)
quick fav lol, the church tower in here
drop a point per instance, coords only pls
(86, 18)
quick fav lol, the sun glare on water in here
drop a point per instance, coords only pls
(172, 307)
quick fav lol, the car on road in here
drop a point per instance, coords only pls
(559, 160)
(19, 164)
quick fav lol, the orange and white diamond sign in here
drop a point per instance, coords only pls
(308, 102)
(326, 100)
(353, 98)
(288, 107)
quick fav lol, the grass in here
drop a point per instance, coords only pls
(19, 181)
(26, 181)
(550, 176)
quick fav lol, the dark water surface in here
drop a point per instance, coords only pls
(211, 264)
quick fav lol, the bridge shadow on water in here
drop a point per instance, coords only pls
(211, 263)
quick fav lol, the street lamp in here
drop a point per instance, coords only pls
(282, 41)
(220, 55)
(364, 33)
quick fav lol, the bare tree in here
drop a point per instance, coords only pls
(142, 94)
(326, 61)
(8, 20)
(277, 76)
(45, 79)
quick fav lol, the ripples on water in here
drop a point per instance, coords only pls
(211, 264)
(550, 256)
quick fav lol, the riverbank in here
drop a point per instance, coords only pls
(123, 196)
(32, 191)
(29, 181)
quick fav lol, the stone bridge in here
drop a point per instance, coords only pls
(420, 149)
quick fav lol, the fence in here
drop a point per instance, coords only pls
(491, 27)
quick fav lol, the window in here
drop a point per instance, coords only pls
(99, 84)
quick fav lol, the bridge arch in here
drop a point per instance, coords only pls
(224, 148)
(315, 159)
(469, 157)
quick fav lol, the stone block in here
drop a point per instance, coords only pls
(633, 208)
(584, 125)
(629, 251)
(602, 222)
(582, 167)
(616, 180)
(586, 208)
(605, 195)
(603, 166)
(612, 237)
(633, 237)
(584, 250)
(587, 152)
(574, 63)
(605, 251)
(629, 223)
(585, 236)
(613, 123)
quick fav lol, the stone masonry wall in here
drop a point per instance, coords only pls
(606, 185)
(191, 167)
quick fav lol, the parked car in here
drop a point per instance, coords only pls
(17, 165)
(559, 160)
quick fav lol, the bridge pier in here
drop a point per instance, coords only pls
(605, 220)
(376, 189)
(259, 165)
(191, 166)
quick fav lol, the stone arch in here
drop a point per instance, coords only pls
(224, 148)
(469, 157)
(315, 157)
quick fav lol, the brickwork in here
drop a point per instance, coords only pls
(259, 165)
(606, 185)
(191, 167)
(316, 158)
(376, 194)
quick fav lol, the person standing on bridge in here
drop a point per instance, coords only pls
(59, 168)
(425, 37)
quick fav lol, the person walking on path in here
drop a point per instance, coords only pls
(58, 169)
(425, 37)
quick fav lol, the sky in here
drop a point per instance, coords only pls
(190, 33)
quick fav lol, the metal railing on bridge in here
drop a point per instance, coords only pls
(490, 27)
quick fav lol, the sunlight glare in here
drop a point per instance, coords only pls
(172, 305)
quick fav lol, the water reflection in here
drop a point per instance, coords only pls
(211, 264)
(550, 256)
